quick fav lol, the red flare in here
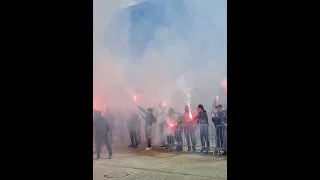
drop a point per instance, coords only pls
(217, 100)
(134, 97)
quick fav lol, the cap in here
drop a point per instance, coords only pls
(219, 106)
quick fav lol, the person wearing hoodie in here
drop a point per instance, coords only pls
(202, 120)
(133, 125)
(149, 120)
(111, 121)
(101, 129)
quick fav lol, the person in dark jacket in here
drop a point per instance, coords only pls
(134, 125)
(101, 129)
(189, 125)
(204, 129)
(220, 122)
(149, 119)
(111, 121)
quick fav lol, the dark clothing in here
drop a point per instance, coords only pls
(204, 136)
(220, 136)
(148, 116)
(110, 136)
(148, 129)
(100, 125)
(170, 140)
(202, 117)
(161, 133)
(221, 119)
(101, 129)
(134, 123)
(221, 129)
(103, 139)
(109, 116)
(178, 135)
(133, 126)
(134, 138)
(149, 142)
(204, 129)
(149, 119)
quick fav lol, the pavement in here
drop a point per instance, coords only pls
(156, 164)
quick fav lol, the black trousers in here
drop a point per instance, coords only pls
(219, 134)
(149, 142)
(110, 136)
(134, 138)
(170, 139)
(148, 129)
(103, 139)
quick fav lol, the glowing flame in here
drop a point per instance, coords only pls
(134, 98)
(190, 115)
(217, 100)
(173, 124)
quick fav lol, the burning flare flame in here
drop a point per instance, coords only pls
(134, 97)
(173, 124)
(217, 100)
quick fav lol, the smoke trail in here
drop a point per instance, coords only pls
(148, 47)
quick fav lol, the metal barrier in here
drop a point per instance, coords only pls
(206, 137)
(197, 137)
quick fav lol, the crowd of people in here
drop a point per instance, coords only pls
(171, 124)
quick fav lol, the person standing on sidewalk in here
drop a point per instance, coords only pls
(149, 119)
(133, 125)
(189, 125)
(204, 129)
(101, 129)
(110, 117)
(220, 122)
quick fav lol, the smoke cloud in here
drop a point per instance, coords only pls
(173, 51)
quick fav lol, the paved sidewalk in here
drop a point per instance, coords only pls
(138, 164)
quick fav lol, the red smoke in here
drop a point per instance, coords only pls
(224, 86)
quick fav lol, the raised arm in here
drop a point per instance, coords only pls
(143, 110)
(143, 117)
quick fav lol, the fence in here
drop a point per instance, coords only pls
(201, 137)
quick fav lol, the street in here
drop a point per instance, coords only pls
(138, 164)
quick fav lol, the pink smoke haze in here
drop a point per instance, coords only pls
(224, 86)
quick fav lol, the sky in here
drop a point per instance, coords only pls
(159, 50)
